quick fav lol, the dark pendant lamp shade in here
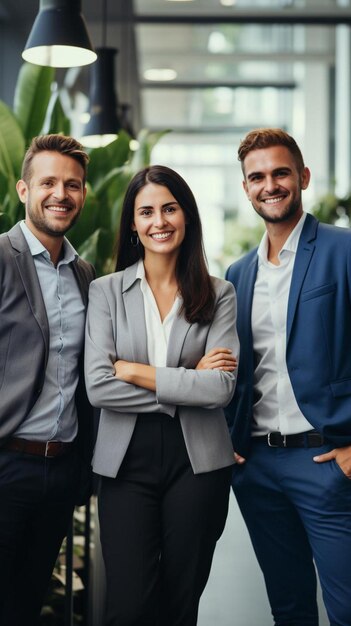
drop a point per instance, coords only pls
(104, 122)
(59, 36)
(126, 122)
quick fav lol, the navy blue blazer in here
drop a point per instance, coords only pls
(318, 335)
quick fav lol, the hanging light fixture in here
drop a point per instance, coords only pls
(59, 36)
(126, 124)
(104, 122)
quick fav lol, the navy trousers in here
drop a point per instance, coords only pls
(298, 513)
(159, 526)
(37, 496)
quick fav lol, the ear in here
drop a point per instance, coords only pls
(22, 190)
(245, 187)
(133, 227)
(305, 178)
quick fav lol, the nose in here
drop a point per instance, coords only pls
(59, 191)
(159, 219)
(270, 184)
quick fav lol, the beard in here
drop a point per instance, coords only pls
(289, 212)
(42, 223)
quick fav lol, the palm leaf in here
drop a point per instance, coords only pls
(32, 97)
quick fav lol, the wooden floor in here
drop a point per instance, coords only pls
(235, 594)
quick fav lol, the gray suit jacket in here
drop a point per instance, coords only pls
(116, 330)
(24, 338)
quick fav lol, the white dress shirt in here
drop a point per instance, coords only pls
(157, 331)
(275, 407)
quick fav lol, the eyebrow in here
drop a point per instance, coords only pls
(150, 206)
(52, 177)
(284, 168)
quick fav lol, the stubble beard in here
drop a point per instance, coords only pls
(289, 212)
(42, 225)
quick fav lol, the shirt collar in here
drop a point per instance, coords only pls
(140, 273)
(289, 246)
(36, 247)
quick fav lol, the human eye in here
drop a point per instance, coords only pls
(170, 208)
(146, 212)
(254, 178)
(46, 183)
(282, 173)
(74, 186)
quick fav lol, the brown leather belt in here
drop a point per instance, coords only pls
(49, 449)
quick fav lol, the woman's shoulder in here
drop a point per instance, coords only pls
(221, 285)
(116, 280)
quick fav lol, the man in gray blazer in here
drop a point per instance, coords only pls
(44, 456)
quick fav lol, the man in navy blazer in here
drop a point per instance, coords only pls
(45, 418)
(290, 417)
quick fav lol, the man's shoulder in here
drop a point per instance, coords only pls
(87, 268)
(241, 264)
(334, 234)
(12, 240)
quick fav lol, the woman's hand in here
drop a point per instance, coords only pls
(123, 370)
(218, 359)
(136, 374)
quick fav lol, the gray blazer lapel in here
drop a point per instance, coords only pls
(303, 258)
(82, 280)
(134, 306)
(30, 281)
(177, 337)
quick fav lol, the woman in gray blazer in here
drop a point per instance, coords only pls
(161, 348)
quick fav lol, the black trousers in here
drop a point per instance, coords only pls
(37, 497)
(159, 526)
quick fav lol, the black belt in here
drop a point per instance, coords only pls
(49, 449)
(309, 439)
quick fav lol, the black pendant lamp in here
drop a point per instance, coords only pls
(104, 123)
(59, 36)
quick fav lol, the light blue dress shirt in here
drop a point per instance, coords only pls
(54, 415)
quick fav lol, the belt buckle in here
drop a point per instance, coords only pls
(276, 445)
(270, 444)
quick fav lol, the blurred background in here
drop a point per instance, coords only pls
(207, 71)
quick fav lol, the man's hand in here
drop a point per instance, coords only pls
(239, 459)
(341, 455)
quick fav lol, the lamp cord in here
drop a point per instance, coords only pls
(104, 22)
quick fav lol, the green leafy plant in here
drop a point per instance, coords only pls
(36, 110)
(333, 209)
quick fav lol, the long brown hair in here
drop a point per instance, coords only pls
(192, 275)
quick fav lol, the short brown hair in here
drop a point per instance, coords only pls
(54, 143)
(266, 138)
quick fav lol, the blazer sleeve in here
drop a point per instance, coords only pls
(104, 390)
(206, 388)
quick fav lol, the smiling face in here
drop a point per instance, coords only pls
(54, 195)
(158, 220)
(273, 184)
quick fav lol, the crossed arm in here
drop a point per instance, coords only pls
(145, 375)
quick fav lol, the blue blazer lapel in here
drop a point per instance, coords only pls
(245, 296)
(303, 258)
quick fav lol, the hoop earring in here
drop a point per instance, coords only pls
(134, 239)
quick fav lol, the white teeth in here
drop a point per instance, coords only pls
(273, 200)
(59, 209)
(160, 235)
